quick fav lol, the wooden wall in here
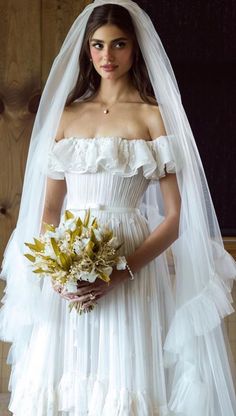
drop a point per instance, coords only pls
(31, 33)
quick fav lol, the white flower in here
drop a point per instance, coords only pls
(59, 274)
(48, 251)
(57, 234)
(40, 263)
(88, 276)
(71, 287)
(78, 246)
(84, 241)
(64, 246)
(69, 224)
(121, 264)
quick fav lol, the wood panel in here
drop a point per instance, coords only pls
(31, 34)
(20, 85)
(20, 82)
(57, 18)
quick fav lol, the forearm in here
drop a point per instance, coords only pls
(155, 244)
(50, 216)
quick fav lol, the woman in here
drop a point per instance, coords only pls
(147, 348)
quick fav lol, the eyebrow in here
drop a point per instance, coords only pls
(114, 40)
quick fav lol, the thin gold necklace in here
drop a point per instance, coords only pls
(106, 110)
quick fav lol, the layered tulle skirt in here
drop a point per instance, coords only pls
(107, 362)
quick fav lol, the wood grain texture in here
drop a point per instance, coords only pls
(57, 18)
(20, 80)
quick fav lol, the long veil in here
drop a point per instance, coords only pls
(196, 348)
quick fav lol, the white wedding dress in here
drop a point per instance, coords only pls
(109, 362)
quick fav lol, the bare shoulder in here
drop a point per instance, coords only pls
(67, 114)
(154, 121)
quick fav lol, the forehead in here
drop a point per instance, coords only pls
(109, 32)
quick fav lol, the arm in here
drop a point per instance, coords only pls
(55, 190)
(55, 194)
(167, 232)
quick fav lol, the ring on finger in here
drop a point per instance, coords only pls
(91, 296)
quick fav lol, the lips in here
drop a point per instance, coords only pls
(109, 67)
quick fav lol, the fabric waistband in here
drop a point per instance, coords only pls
(101, 207)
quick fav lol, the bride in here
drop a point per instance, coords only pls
(118, 142)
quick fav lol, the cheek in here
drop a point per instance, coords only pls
(95, 54)
(127, 57)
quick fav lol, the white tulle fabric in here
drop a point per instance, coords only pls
(199, 371)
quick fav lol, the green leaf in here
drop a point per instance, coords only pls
(65, 261)
(31, 246)
(108, 236)
(104, 277)
(40, 246)
(89, 249)
(95, 223)
(30, 257)
(93, 237)
(55, 247)
(49, 227)
(68, 215)
(86, 218)
(37, 247)
(79, 222)
(40, 271)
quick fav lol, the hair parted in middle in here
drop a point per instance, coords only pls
(88, 79)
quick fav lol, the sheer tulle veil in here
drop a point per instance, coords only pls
(196, 347)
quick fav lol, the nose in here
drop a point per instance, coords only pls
(107, 53)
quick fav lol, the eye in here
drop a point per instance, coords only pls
(97, 45)
(120, 44)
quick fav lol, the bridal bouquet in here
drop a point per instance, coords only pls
(76, 250)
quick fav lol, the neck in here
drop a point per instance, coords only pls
(112, 91)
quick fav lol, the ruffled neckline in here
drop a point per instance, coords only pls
(118, 155)
(95, 138)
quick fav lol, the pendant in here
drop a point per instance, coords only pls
(106, 111)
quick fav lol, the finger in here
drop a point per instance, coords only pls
(88, 305)
(83, 291)
(86, 291)
(82, 283)
(81, 299)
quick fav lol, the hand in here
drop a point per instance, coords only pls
(59, 289)
(89, 293)
(62, 291)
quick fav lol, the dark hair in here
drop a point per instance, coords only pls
(89, 79)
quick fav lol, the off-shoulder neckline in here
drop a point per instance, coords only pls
(109, 138)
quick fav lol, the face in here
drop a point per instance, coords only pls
(111, 50)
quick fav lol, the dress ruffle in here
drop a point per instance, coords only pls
(119, 156)
(93, 398)
(193, 322)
